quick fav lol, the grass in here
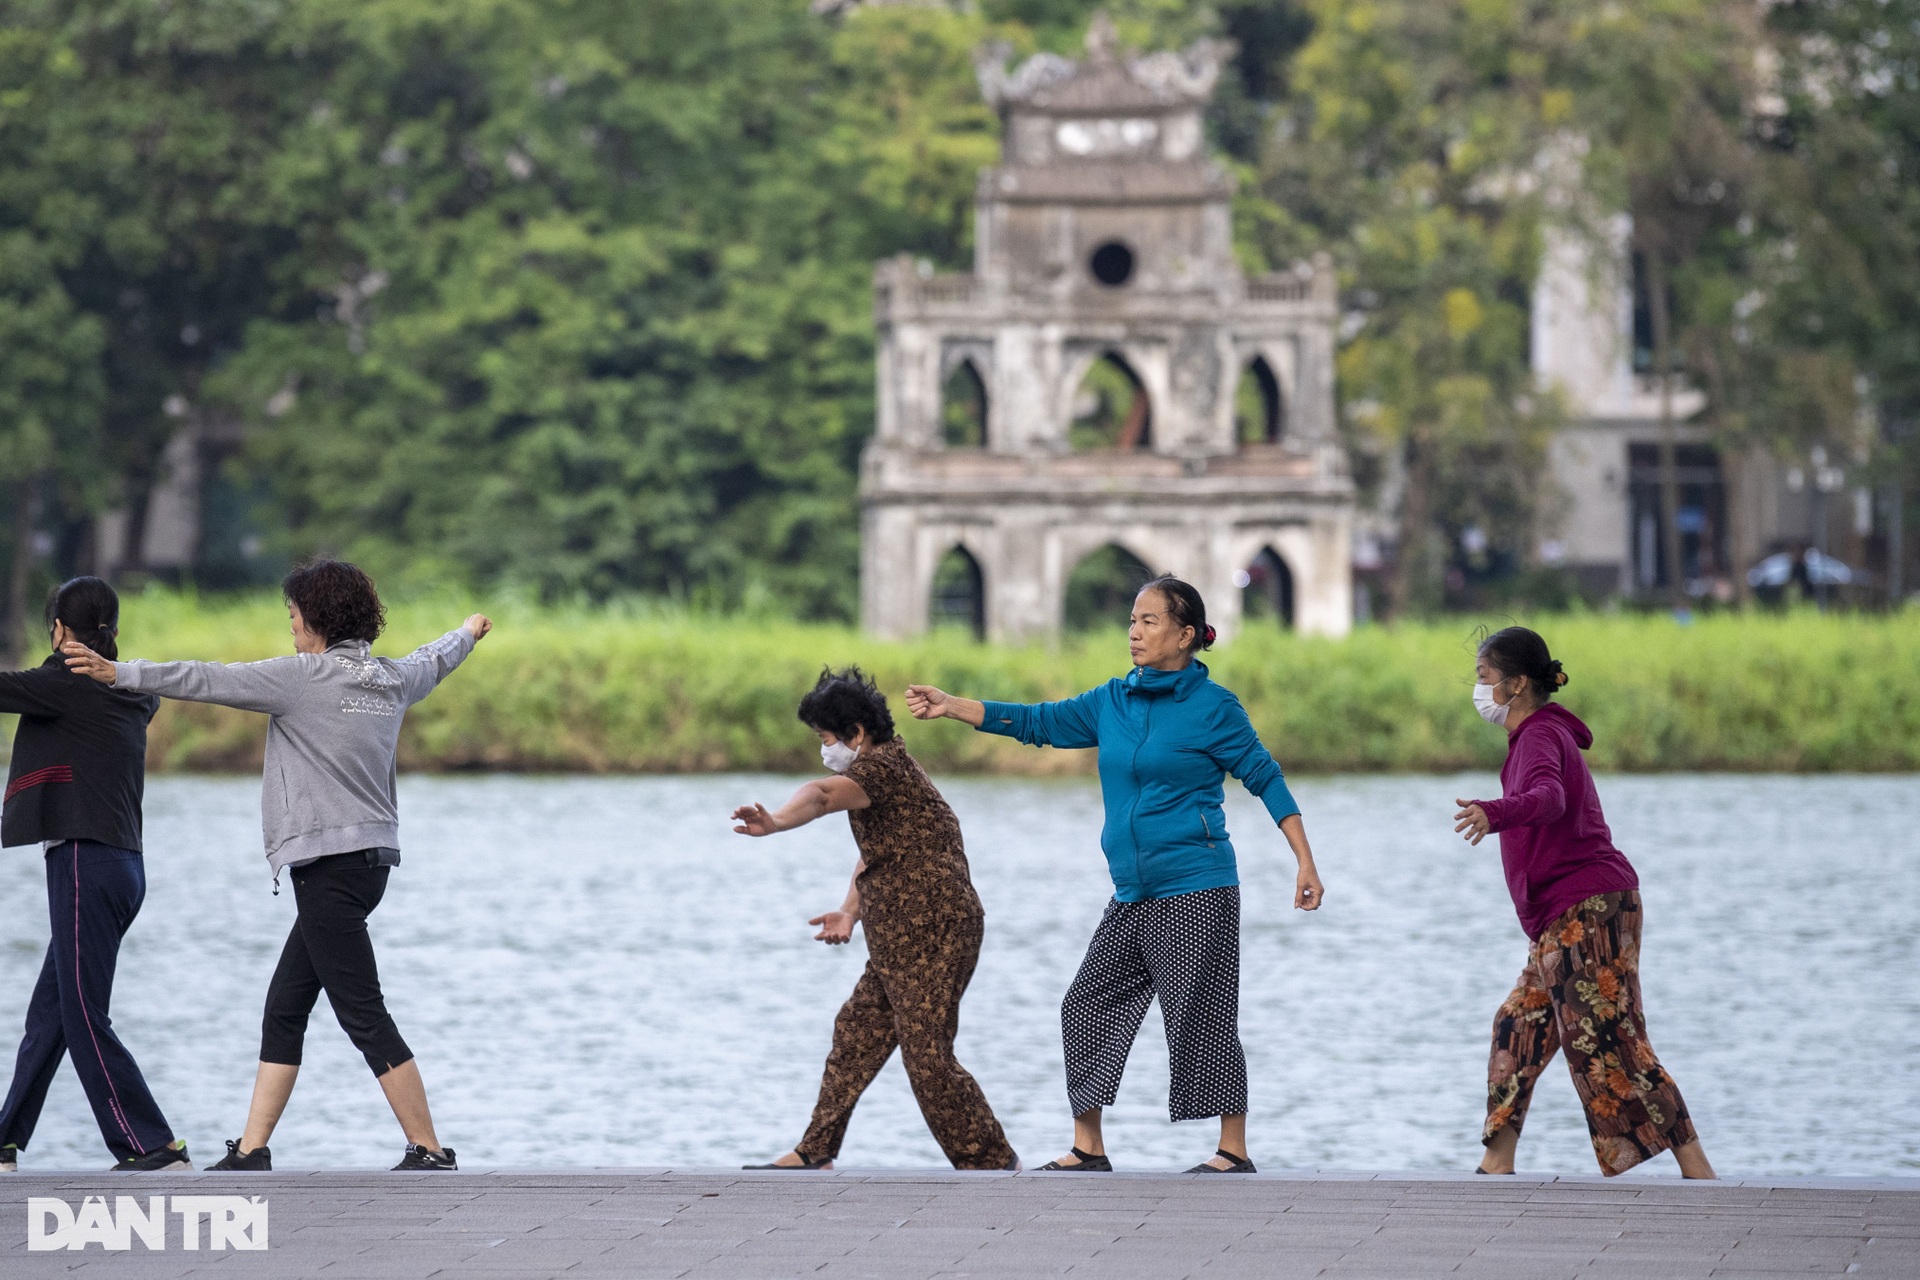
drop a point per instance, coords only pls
(639, 690)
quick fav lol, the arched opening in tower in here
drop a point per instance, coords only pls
(1111, 410)
(963, 408)
(1266, 589)
(1101, 588)
(959, 599)
(1259, 414)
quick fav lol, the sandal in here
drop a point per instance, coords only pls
(1241, 1164)
(1086, 1162)
(805, 1164)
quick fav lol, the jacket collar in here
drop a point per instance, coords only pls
(1554, 713)
(351, 648)
(1151, 682)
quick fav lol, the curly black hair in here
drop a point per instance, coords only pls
(336, 600)
(842, 702)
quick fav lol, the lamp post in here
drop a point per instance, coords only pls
(1826, 479)
(1896, 584)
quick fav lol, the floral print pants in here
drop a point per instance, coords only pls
(909, 998)
(1580, 992)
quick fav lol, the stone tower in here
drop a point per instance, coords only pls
(1104, 276)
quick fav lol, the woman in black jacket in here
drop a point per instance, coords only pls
(74, 788)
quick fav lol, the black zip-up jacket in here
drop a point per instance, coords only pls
(79, 757)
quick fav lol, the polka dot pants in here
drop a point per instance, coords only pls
(1186, 951)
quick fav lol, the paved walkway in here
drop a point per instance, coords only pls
(905, 1226)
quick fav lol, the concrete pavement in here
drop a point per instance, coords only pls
(708, 1225)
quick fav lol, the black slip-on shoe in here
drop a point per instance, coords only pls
(9, 1159)
(806, 1163)
(1085, 1162)
(420, 1160)
(1507, 1174)
(1241, 1164)
(171, 1158)
(258, 1160)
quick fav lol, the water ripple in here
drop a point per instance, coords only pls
(594, 971)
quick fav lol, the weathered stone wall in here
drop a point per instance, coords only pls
(1103, 153)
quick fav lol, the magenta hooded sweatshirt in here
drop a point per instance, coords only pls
(1554, 841)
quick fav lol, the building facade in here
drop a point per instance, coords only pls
(1590, 338)
(1105, 377)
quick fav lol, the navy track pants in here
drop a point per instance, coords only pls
(94, 892)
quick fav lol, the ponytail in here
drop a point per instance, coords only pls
(1517, 651)
(91, 611)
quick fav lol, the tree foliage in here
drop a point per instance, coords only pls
(599, 281)
(1407, 149)
(1844, 281)
(574, 297)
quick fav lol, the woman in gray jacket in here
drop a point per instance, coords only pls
(330, 815)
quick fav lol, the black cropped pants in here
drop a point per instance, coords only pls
(330, 950)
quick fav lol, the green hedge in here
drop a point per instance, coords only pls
(632, 690)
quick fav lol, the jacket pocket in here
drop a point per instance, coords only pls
(1213, 824)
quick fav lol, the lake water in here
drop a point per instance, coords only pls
(595, 971)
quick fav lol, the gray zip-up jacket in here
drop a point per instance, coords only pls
(328, 784)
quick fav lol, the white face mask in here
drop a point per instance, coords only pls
(837, 756)
(1490, 711)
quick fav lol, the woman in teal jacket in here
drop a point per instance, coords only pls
(1167, 736)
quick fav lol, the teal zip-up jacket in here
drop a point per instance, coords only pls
(1166, 740)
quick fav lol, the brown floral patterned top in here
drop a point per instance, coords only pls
(916, 862)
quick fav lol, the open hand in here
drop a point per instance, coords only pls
(478, 625)
(754, 820)
(924, 702)
(1471, 821)
(836, 927)
(87, 662)
(1308, 892)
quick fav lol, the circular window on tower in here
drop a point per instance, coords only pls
(1112, 264)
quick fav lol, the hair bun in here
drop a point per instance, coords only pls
(1559, 675)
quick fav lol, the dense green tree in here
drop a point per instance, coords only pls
(575, 296)
(1406, 150)
(600, 284)
(1666, 92)
(1843, 122)
(133, 256)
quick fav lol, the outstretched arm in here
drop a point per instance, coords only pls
(26, 693)
(1538, 795)
(924, 702)
(1238, 750)
(1072, 722)
(422, 670)
(272, 686)
(816, 799)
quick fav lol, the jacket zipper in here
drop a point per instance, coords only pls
(1133, 814)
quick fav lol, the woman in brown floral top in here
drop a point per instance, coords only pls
(923, 920)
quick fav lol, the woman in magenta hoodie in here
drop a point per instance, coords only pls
(1579, 902)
